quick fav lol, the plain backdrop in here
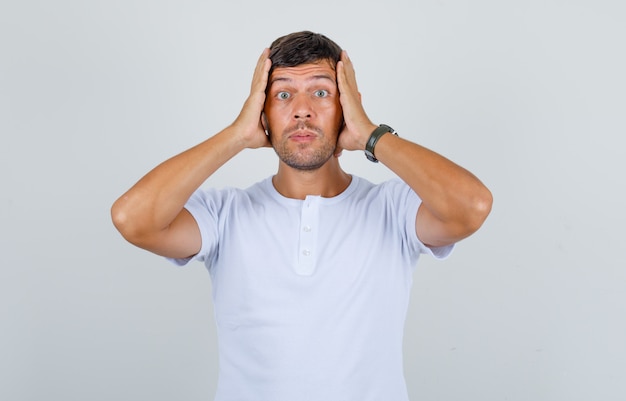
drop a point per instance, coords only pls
(528, 95)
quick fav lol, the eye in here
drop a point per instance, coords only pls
(283, 95)
(321, 93)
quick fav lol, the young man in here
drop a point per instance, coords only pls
(311, 268)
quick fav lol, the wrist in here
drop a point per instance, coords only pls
(376, 134)
(366, 133)
(242, 137)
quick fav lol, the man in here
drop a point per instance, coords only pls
(311, 268)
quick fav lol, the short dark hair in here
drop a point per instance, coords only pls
(303, 48)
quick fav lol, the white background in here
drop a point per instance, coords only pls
(528, 95)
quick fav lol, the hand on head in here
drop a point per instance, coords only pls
(357, 125)
(249, 123)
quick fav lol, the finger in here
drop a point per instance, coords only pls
(348, 93)
(260, 65)
(261, 72)
(348, 76)
(341, 75)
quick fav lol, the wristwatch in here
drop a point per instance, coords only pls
(374, 137)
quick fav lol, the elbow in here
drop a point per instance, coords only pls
(123, 222)
(480, 208)
(119, 217)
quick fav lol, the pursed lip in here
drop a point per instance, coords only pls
(302, 135)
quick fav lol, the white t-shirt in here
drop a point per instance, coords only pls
(310, 296)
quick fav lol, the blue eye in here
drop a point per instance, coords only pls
(321, 93)
(283, 95)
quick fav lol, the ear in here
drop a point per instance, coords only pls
(264, 121)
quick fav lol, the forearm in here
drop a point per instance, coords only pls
(157, 198)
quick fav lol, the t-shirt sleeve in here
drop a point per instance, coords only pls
(203, 206)
(411, 205)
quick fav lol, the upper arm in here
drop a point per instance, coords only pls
(434, 232)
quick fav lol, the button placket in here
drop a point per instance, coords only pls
(307, 255)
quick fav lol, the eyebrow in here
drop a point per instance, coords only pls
(312, 78)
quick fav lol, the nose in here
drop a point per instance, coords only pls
(302, 109)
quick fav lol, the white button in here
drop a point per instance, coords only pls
(306, 252)
(306, 229)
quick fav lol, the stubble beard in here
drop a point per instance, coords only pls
(304, 156)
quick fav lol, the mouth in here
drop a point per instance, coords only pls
(302, 135)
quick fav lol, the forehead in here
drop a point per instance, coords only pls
(321, 70)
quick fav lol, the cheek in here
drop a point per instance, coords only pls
(275, 110)
(335, 112)
(330, 106)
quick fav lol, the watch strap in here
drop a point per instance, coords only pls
(381, 130)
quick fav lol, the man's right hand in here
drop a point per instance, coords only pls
(248, 126)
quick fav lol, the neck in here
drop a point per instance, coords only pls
(327, 181)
